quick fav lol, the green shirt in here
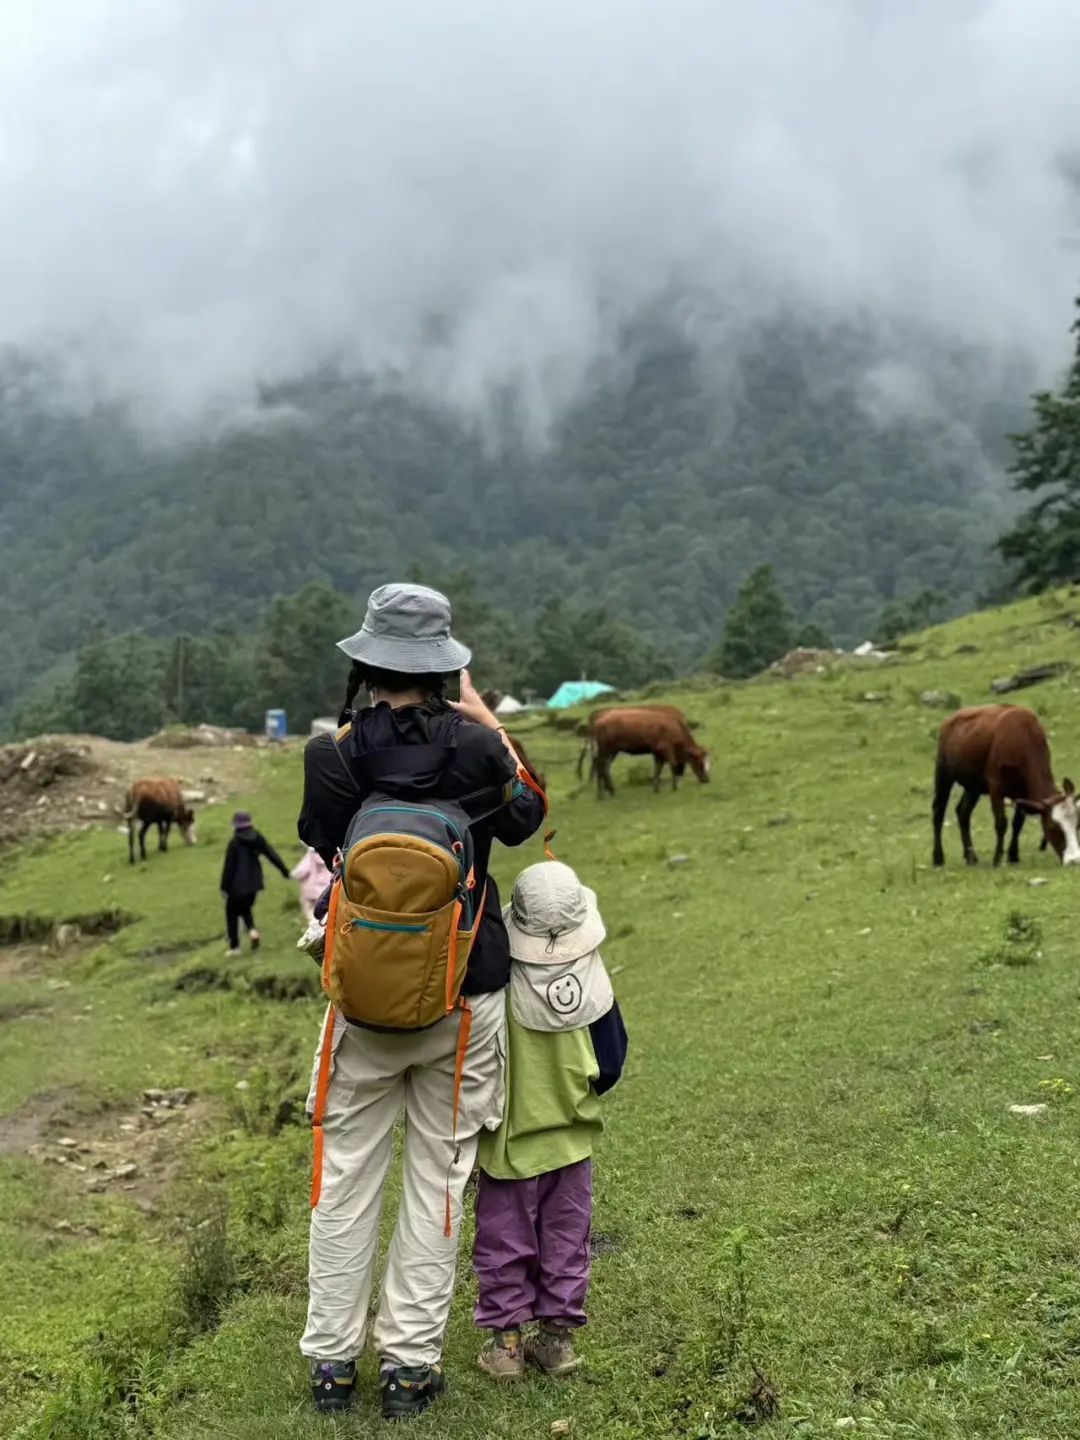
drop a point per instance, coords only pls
(552, 1113)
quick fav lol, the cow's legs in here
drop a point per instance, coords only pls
(1001, 824)
(131, 841)
(658, 766)
(678, 768)
(1019, 816)
(143, 828)
(968, 800)
(942, 787)
(163, 834)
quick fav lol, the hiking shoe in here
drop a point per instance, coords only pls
(552, 1351)
(254, 937)
(232, 952)
(503, 1358)
(410, 1389)
(333, 1383)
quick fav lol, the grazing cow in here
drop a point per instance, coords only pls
(519, 749)
(588, 728)
(1001, 751)
(659, 733)
(157, 802)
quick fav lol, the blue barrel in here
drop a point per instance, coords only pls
(276, 726)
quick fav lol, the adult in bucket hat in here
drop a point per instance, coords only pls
(423, 748)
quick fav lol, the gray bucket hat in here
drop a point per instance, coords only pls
(407, 628)
(552, 918)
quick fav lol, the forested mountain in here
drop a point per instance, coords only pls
(681, 468)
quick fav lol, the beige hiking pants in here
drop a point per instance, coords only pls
(373, 1077)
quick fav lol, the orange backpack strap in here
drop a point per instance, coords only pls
(464, 1032)
(549, 835)
(322, 1088)
(455, 926)
(331, 932)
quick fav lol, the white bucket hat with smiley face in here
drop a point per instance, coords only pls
(558, 980)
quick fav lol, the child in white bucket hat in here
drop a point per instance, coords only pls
(566, 1045)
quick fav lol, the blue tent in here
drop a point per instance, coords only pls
(576, 692)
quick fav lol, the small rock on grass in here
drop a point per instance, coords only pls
(674, 860)
(562, 1427)
(1028, 1112)
(847, 1422)
(1038, 880)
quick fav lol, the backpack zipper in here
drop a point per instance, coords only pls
(415, 810)
(421, 810)
(387, 925)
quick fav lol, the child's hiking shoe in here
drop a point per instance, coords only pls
(333, 1384)
(254, 937)
(410, 1389)
(503, 1358)
(552, 1351)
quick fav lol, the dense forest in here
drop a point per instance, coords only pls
(617, 544)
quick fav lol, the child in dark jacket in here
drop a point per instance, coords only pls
(242, 878)
(565, 1046)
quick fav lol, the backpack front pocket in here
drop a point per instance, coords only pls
(390, 968)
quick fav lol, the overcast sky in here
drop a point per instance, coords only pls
(196, 193)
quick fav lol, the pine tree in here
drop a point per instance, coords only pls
(758, 628)
(1044, 545)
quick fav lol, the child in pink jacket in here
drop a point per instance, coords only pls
(314, 877)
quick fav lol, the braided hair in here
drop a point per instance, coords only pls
(394, 683)
(352, 685)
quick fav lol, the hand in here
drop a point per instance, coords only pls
(471, 707)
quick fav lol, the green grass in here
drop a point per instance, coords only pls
(810, 1168)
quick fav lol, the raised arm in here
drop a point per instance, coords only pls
(273, 856)
(516, 822)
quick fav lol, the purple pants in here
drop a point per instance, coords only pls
(532, 1248)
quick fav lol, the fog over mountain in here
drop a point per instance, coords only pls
(196, 196)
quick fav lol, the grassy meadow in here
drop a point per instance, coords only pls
(815, 1211)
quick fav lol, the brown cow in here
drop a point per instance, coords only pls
(1001, 751)
(587, 729)
(642, 731)
(157, 802)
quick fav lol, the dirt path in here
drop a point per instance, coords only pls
(71, 782)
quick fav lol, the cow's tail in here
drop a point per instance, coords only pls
(588, 748)
(128, 811)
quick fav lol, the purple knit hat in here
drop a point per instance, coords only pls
(241, 820)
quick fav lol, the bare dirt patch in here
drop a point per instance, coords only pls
(133, 1150)
(28, 1126)
(72, 782)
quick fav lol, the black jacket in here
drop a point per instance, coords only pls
(472, 758)
(242, 871)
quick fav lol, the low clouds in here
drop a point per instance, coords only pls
(195, 196)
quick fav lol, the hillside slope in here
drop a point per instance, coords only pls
(810, 1169)
(678, 472)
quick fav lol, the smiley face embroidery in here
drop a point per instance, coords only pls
(564, 994)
